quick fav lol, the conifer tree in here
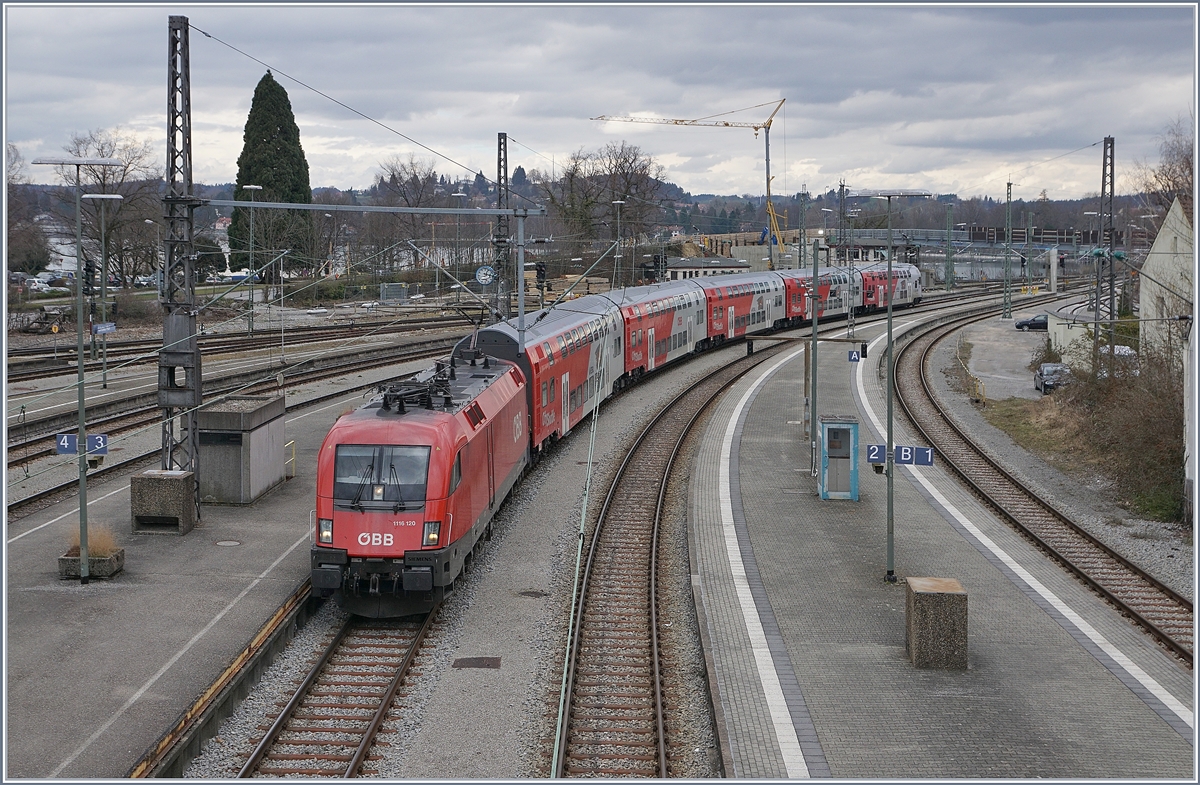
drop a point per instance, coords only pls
(272, 158)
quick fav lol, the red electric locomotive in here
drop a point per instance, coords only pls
(407, 485)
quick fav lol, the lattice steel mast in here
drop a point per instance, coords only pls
(179, 396)
(500, 239)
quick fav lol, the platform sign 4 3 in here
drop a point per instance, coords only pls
(68, 444)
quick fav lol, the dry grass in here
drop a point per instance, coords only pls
(1047, 429)
(101, 543)
(1128, 429)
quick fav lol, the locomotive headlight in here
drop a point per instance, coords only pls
(432, 530)
(325, 530)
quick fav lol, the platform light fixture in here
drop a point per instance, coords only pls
(890, 470)
(79, 163)
(104, 199)
(617, 257)
(250, 278)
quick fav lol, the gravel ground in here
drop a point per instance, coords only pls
(515, 603)
(1165, 550)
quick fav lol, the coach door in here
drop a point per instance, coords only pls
(651, 349)
(491, 453)
(566, 403)
(730, 317)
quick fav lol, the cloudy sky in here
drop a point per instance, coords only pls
(953, 99)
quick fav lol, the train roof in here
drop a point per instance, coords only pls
(452, 385)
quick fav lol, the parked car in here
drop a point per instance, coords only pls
(1035, 323)
(1051, 376)
(37, 285)
(317, 310)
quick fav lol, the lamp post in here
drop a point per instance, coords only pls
(890, 288)
(250, 279)
(104, 199)
(825, 211)
(457, 238)
(81, 448)
(617, 257)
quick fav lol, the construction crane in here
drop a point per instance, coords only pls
(764, 126)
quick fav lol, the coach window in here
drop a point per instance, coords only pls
(543, 394)
(553, 387)
(549, 352)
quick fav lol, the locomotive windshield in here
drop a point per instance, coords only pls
(379, 477)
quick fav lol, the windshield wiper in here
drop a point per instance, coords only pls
(355, 504)
(399, 505)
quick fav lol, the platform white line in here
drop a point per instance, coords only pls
(95, 499)
(781, 718)
(187, 647)
(66, 514)
(1118, 657)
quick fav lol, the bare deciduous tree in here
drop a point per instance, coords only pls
(138, 180)
(27, 249)
(1173, 177)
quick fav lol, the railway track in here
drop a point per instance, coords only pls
(1162, 612)
(613, 720)
(144, 410)
(333, 719)
(40, 362)
(23, 451)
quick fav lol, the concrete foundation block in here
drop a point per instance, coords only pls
(162, 502)
(936, 623)
(241, 448)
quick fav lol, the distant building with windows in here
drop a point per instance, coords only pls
(701, 267)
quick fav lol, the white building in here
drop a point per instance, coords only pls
(1167, 301)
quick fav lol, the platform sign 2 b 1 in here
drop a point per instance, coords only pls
(68, 444)
(903, 454)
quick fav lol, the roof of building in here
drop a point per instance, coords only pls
(705, 263)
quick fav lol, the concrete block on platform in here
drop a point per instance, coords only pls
(936, 623)
(162, 502)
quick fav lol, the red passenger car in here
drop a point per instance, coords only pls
(408, 484)
(572, 357)
(663, 323)
(740, 305)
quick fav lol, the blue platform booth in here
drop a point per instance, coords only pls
(839, 457)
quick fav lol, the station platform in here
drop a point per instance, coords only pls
(806, 640)
(96, 673)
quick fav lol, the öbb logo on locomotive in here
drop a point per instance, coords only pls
(425, 447)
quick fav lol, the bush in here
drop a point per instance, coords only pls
(135, 309)
(1046, 353)
(101, 543)
(1137, 421)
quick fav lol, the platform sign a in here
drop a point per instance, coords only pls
(854, 356)
(876, 453)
